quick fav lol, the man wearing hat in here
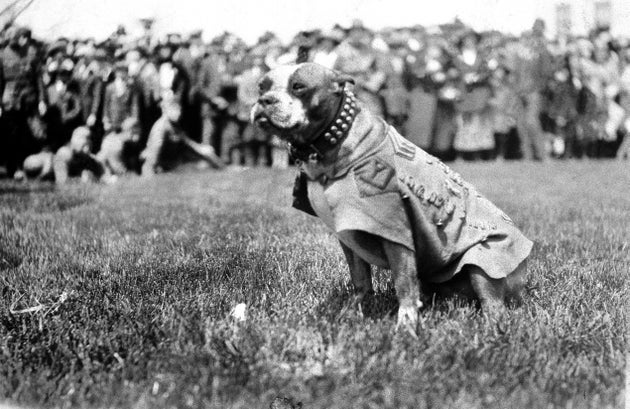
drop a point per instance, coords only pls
(204, 101)
(21, 101)
(168, 145)
(93, 81)
(533, 67)
(120, 101)
(324, 52)
(76, 159)
(144, 77)
(357, 58)
(64, 105)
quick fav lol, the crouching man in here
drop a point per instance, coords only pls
(39, 166)
(168, 145)
(119, 150)
(75, 159)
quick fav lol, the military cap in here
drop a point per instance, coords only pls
(174, 38)
(468, 33)
(59, 46)
(336, 36)
(23, 32)
(195, 35)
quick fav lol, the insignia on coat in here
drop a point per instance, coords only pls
(404, 148)
(416, 188)
(373, 177)
(452, 189)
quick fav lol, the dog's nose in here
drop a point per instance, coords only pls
(267, 100)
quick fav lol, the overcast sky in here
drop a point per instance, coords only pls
(249, 18)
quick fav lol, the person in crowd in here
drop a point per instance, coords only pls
(55, 56)
(357, 58)
(39, 166)
(120, 101)
(173, 79)
(120, 150)
(204, 100)
(532, 69)
(446, 89)
(22, 102)
(393, 92)
(431, 79)
(63, 98)
(608, 75)
(246, 144)
(75, 159)
(145, 82)
(561, 108)
(623, 152)
(591, 104)
(505, 110)
(325, 50)
(168, 144)
(92, 73)
(475, 129)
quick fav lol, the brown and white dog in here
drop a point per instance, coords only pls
(389, 203)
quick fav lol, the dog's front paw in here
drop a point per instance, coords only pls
(408, 317)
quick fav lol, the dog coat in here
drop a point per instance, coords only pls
(397, 191)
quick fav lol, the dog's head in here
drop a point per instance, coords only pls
(297, 101)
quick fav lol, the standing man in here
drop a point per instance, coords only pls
(63, 115)
(146, 86)
(205, 78)
(533, 67)
(357, 58)
(22, 101)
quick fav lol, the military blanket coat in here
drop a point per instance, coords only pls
(390, 188)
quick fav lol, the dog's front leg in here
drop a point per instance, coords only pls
(360, 273)
(402, 263)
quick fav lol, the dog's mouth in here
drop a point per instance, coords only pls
(262, 120)
(270, 124)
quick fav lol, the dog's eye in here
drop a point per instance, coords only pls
(298, 86)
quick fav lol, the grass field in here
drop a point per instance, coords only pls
(120, 296)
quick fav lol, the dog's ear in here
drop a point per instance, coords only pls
(340, 80)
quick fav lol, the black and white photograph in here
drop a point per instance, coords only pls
(292, 204)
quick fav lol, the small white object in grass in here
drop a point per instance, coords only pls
(239, 312)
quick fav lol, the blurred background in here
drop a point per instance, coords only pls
(250, 18)
(98, 90)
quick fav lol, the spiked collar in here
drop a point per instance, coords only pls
(332, 135)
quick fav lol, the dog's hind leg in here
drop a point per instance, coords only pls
(515, 284)
(490, 291)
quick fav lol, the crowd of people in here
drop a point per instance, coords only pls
(78, 107)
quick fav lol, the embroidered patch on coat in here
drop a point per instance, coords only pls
(404, 148)
(373, 177)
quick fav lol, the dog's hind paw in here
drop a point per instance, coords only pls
(408, 318)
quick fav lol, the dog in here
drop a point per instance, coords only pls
(389, 203)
